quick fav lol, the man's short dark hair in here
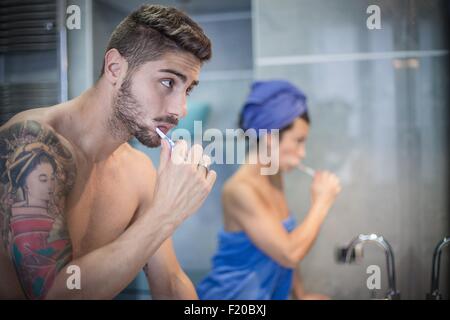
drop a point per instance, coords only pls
(152, 31)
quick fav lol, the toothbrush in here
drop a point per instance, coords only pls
(163, 136)
(309, 171)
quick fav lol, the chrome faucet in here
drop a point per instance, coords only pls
(354, 251)
(436, 266)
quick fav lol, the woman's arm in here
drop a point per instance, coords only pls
(297, 285)
(266, 231)
(298, 292)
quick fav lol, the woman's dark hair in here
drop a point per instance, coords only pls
(304, 116)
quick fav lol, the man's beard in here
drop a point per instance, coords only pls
(126, 114)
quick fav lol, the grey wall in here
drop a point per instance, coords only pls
(80, 51)
(382, 129)
(106, 18)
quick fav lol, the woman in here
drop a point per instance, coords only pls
(260, 246)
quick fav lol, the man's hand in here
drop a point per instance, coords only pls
(183, 183)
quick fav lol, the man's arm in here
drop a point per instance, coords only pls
(37, 172)
(42, 262)
(165, 276)
(180, 190)
(105, 272)
(166, 279)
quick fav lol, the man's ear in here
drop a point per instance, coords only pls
(115, 66)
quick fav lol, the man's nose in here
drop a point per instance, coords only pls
(178, 107)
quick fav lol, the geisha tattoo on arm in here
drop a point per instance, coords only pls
(36, 173)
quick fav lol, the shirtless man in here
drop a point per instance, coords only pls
(74, 193)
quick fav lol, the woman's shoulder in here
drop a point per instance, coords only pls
(238, 186)
(238, 199)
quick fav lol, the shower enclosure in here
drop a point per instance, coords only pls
(379, 101)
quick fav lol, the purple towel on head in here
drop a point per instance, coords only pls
(272, 105)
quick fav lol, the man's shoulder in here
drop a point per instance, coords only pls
(137, 157)
(19, 120)
(36, 119)
(26, 142)
(30, 131)
(39, 115)
(137, 162)
(139, 169)
(32, 127)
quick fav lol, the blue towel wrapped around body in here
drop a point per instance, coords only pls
(241, 271)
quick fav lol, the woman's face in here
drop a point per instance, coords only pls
(40, 183)
(292, 145)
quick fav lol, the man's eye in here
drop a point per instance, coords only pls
(167, 83)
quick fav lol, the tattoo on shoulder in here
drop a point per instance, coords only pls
(36, 173)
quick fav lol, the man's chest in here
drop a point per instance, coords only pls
(101, 207)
